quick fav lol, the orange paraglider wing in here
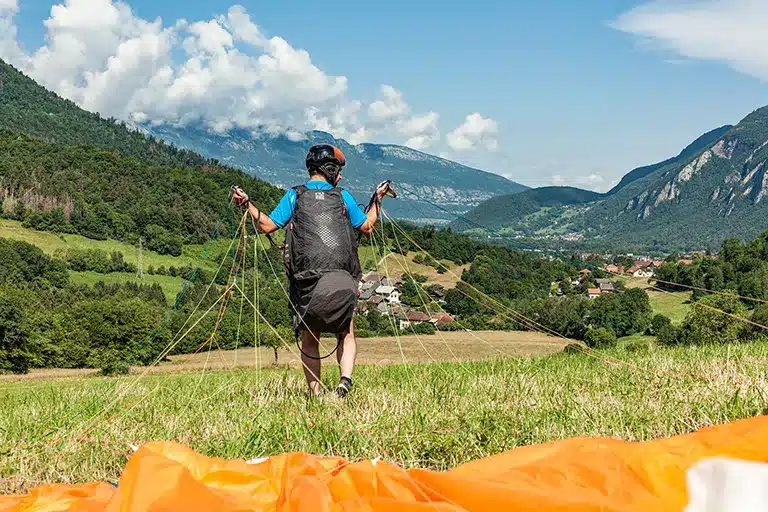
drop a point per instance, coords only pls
(580, 474)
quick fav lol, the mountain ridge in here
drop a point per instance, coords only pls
(424, 178)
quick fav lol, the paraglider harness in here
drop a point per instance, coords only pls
(321, 261)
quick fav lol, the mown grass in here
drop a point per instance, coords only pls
(171, 285)
(49, 243)
(433, 416)
(675, 305)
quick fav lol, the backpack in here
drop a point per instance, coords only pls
(321, 262)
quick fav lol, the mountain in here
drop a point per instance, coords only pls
(503, 211)
(693, 148)
(717, 193)
(420, 178)
(64, 169)
(27, 107)
(714, 190)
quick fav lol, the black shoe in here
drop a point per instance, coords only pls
(345, 385)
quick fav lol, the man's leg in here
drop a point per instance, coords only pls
(310, 344)
(346, 356)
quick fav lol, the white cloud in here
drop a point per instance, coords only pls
(223, 72)
(9, 46)
(390, 108)
(730, 31)
(591, 181)
(475, 132)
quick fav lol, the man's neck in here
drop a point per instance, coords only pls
(317, 177)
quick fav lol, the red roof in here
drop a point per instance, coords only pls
(417, 316)
(686, 262)
(443, 319)
(594, 291)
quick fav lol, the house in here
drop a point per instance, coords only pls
(437, 293)
(390, 293)
(593, 293)
(372, 278)
(607, 288)
(366, 286)
(613, 269)
(367, 294)
(413, 318)
(602, 281)
(643, 272)
(442, 319)
(384, 308)
(686, 262)
(385, 281)
(376, 299)
(657, 263)
(584, 272)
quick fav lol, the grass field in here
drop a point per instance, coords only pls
(425, 415)
(50, 242)
(674, 305)
(171, 285)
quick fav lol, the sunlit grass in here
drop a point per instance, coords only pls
(434, 416)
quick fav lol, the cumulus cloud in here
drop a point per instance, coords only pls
(591, 181)
(222, 72)
(729, 31)
(9, 47)
(474, 133)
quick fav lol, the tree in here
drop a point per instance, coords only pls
(659, 323)
(601, 338)
(15, 353)
(275, 340)
(714, 320)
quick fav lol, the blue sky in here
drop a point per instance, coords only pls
(575, 100)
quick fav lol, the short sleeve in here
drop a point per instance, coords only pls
(356, 216)
(283, 212)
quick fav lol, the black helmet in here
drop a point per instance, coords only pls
(326, 160)
(322, 154)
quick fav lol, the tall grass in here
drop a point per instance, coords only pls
(433, 416)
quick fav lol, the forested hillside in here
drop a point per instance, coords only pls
(27, 107)
(100, 193)
(510, 211)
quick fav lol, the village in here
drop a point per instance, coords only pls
(384, 294)
(593, 287)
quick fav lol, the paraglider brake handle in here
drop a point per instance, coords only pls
(391, 192)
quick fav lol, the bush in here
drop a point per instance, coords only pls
(668, 335)
(638, 346)
(601, 338)
(706, 323)
(760, 317)
(425, 328)
(659, 323)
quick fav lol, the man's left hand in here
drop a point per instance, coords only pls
(382, 190)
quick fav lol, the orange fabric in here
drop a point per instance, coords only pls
(573, 475)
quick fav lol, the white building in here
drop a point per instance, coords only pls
(390, 293)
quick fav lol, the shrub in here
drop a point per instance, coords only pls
(638, 346)
(601, 338)
(668, 335)
(425, 328)
(658, 323)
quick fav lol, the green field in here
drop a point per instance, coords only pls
(672, 305)
(171, 285)
(51, 242)
(433, 416)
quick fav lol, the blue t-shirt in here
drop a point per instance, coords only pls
(283, 212)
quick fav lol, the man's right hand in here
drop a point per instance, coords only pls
(239, 197)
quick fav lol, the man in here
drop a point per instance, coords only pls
(321, 258)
